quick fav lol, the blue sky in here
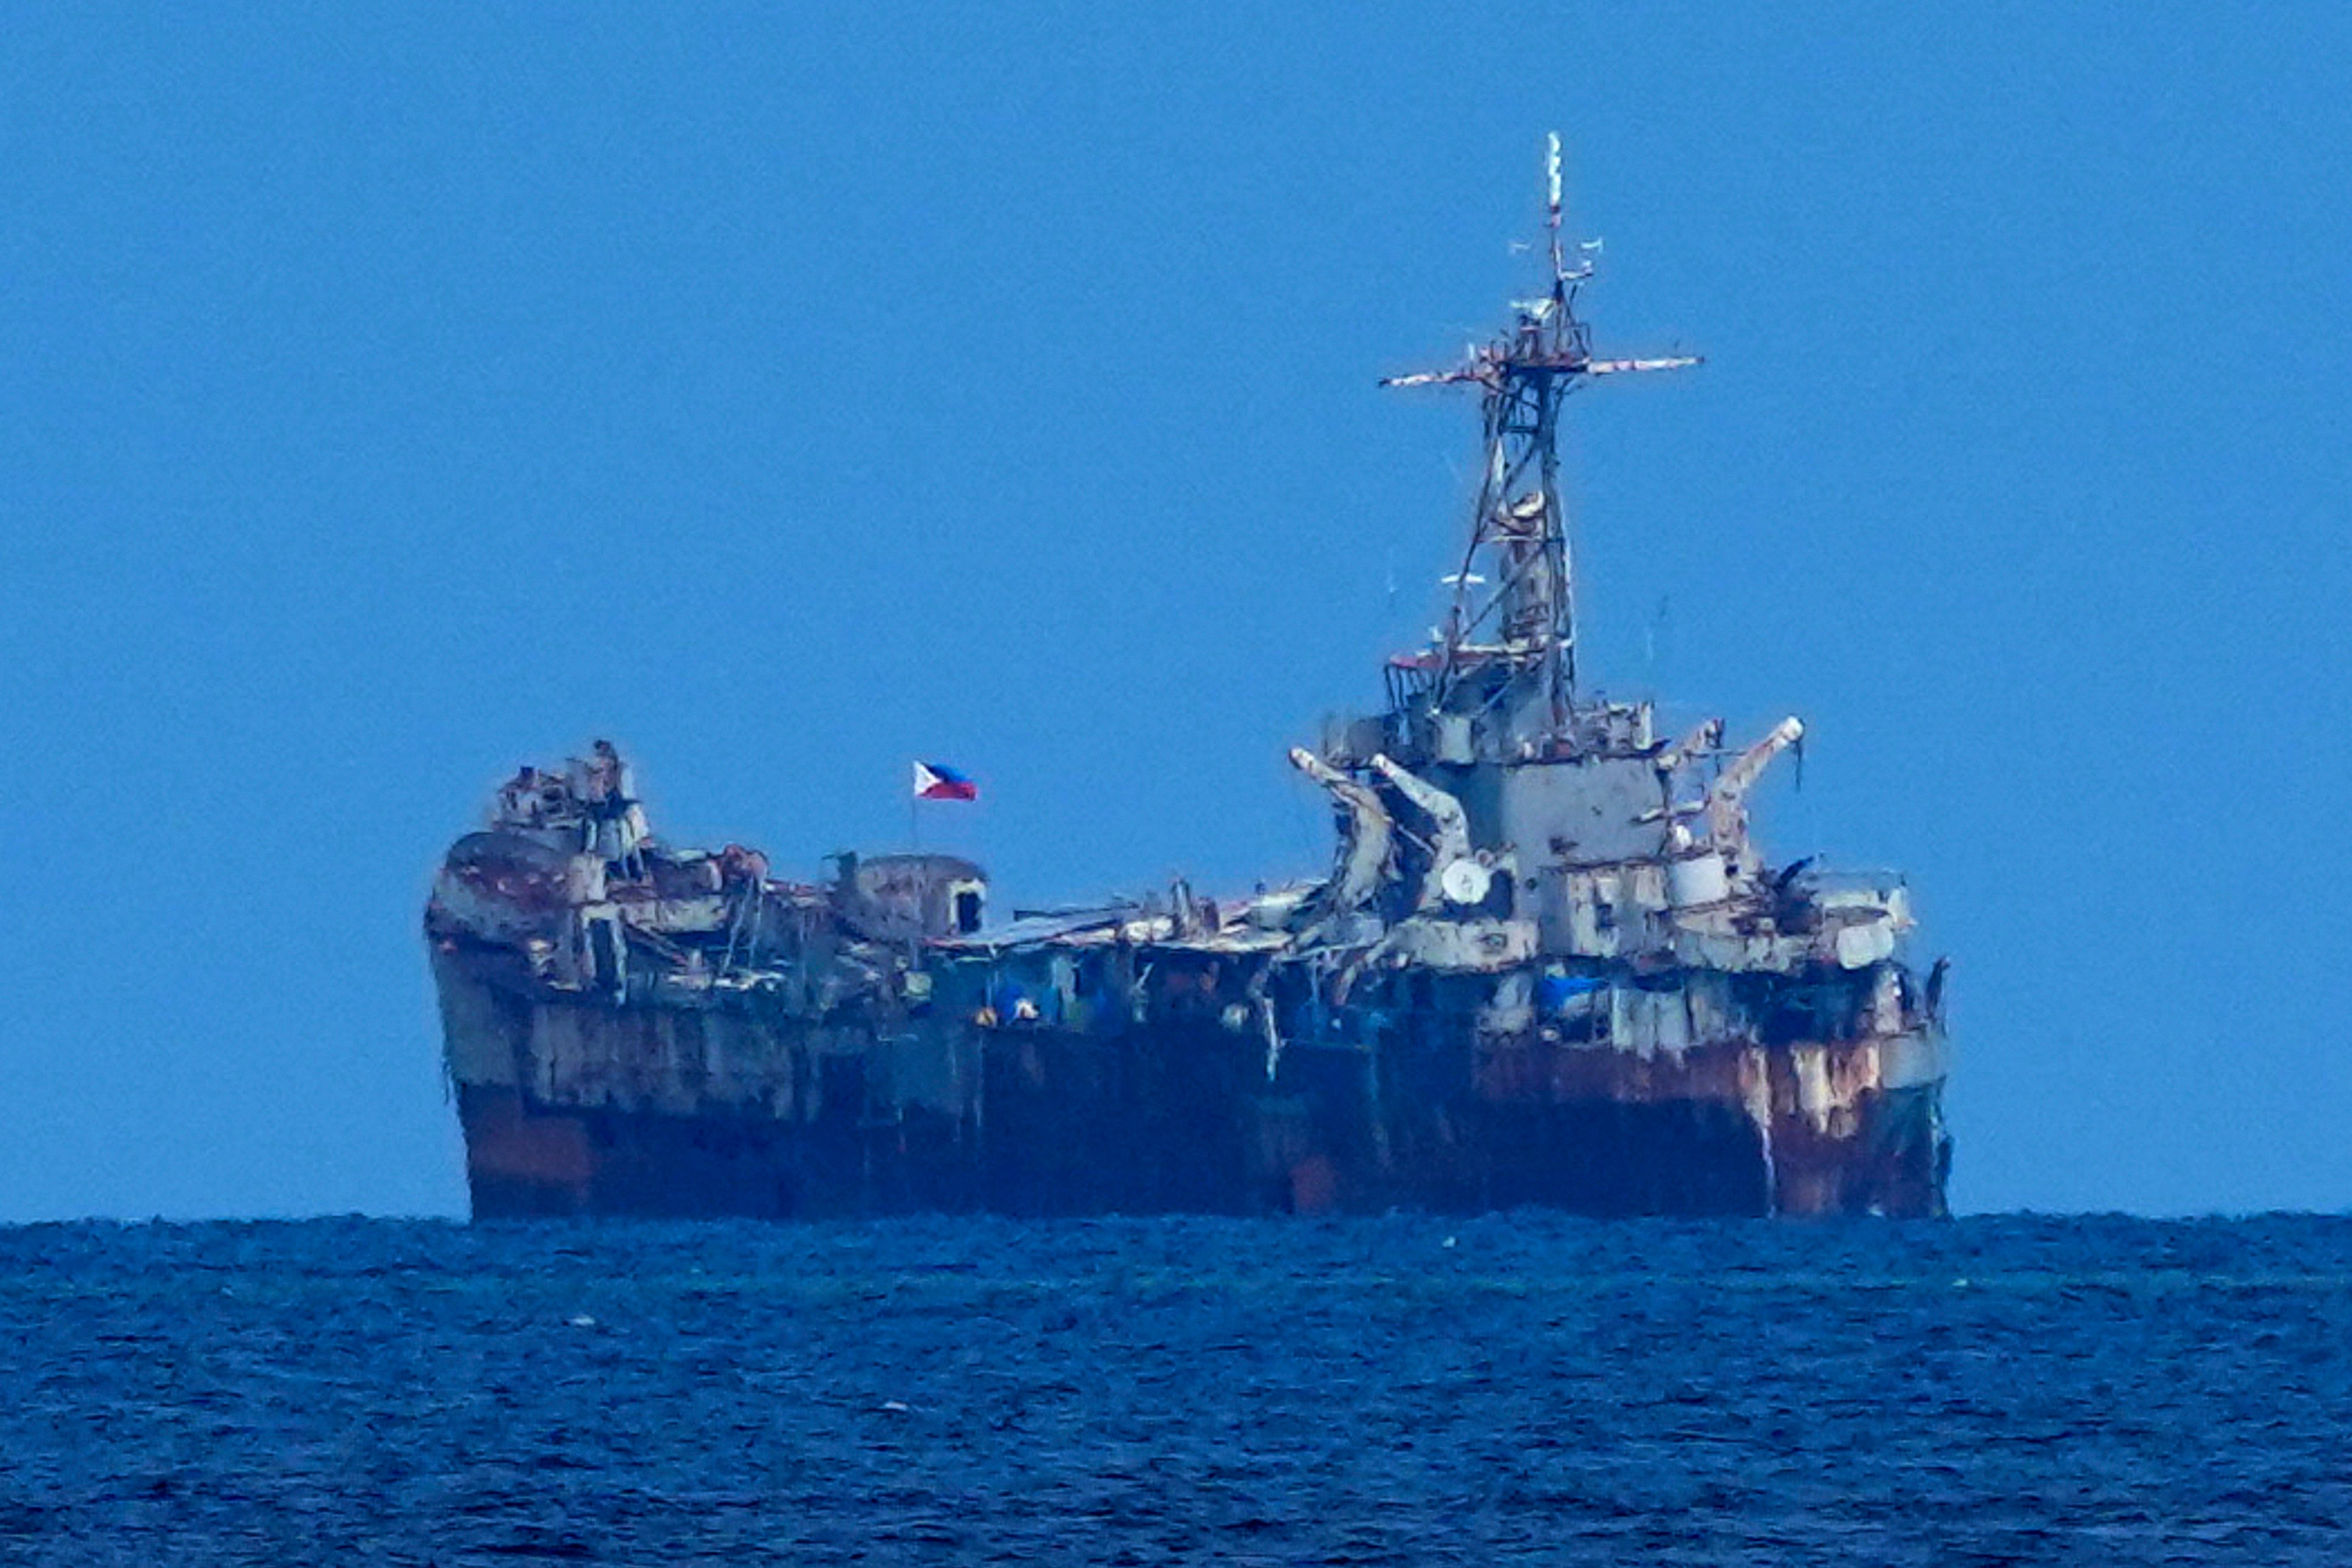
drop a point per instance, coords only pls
(392, 399)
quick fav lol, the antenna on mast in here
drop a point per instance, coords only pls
(1520, 630)
(1551, 181)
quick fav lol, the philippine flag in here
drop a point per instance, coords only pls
(935, 782)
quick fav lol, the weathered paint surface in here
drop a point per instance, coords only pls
(575, 1105)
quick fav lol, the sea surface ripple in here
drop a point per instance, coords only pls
(1410, 1389)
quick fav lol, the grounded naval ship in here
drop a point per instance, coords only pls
(1549, 965)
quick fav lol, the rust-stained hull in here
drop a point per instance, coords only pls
(1178, 1115)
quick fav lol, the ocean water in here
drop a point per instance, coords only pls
(1403, 1390)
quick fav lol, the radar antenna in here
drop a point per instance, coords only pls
(1520, 614)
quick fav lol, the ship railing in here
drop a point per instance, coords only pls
(1849, 881)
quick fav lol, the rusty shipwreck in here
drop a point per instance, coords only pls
(1549, 965)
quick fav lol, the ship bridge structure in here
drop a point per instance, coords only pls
(1550, 963)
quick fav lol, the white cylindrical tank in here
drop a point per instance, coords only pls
(1465, 882)
(1696, 879)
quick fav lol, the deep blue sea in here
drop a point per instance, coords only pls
(1405, 1390)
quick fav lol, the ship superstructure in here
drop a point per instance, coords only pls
(1550, 965)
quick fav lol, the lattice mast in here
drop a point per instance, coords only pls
(1514, 595)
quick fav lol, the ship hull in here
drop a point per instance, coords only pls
(590, 1107)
